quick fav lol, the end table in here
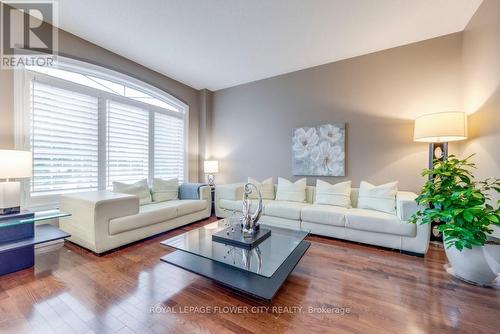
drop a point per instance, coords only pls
(19, 235)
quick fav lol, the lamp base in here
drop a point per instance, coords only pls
(211, 180)
(10, 197)
(437, 151)
(10, 211)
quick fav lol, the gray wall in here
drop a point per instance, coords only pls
(75, 47)
(377, 95)
(6, 109)
(205, 128)
(481, 63)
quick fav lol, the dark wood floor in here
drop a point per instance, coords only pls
(379, 291)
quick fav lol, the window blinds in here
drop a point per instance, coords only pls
(83, 141)
(168, 147)
(127, 143)
(64, 140)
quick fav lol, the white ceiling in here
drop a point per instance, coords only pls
(216, 44)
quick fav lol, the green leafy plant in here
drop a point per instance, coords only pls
(453, 197)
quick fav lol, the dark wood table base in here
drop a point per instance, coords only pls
(243, 281)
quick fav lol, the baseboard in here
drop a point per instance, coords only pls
(412, 253)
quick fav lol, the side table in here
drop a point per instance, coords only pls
(19, 235)
(212, 188)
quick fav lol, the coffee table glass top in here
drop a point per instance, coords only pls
(263, 260)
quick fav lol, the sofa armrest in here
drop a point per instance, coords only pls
(80, 203)
(91, 213)
(205, 193)
(406, 205)
(233, 192)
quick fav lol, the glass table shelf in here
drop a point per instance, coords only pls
(19, 235)
(38, 216)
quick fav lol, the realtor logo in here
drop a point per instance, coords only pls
(28, 36)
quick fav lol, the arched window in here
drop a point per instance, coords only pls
(88, 126)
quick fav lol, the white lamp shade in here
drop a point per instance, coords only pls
(15, 164)
(211, 166)
(441, 127)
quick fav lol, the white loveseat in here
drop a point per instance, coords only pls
(104, 220)
(354, 224)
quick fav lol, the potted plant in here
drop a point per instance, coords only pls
(462, 205)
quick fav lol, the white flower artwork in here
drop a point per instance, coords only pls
(319, 151)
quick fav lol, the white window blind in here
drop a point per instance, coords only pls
(89, 126)
(127, 143)
(64, 140)
(168, 147)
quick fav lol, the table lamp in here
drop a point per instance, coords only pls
(13, 165)
(438, 129)
(210, 167)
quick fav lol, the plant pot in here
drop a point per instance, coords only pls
(471, 265)
(492, 254)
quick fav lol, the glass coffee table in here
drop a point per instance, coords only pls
(259, 271)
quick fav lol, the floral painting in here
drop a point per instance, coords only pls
(319, 151)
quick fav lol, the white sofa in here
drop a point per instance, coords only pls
(103, 220)
(354, 224)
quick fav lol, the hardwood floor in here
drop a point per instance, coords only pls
(130, 290)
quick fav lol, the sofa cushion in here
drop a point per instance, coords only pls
(380, 198)
(149, 214)
(139, 189)
(266, 188)
(187, 206)
(165, 190)
(291, 191)
(310, 194)
(324, 214)
(284, 209)
(376, 221)
(191, 190)
(231, 205)
(280, 222)
(338, 194)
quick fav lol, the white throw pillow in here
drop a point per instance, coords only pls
(165, 190)
(289, 191)
(380, 198)
(338, 194)
(140, 189)
(266, 188)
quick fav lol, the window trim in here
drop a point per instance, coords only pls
(22, 109)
